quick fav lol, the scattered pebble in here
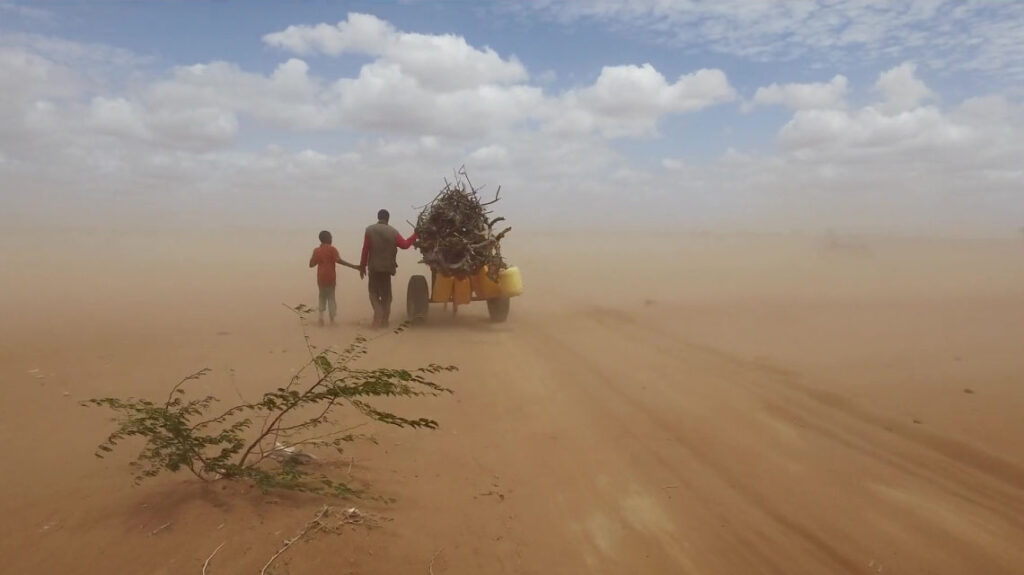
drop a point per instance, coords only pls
(918, 421)
(968, 390)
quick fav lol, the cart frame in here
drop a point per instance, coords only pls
(420, 295)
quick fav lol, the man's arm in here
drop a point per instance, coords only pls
(312, 259)
(365, 258)
(405, 243)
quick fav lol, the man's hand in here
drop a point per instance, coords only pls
(362, 272)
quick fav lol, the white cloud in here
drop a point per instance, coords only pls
(547, 77)
(489, 156)
(22, 11)
(991, 110)
(416, 84)
(384, 98)
(207, 138)
(200, 128)
(287, 98)
(629, 100)
(26, 74)
(441, 62)
(802, 96)
(359, 33)
(918, 134)
(93, 66)
(902, 89)
(118, 117)
(954, 35)
(672, 164)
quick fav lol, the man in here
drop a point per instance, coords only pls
(380, 248)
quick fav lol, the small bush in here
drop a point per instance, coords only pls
(257, 441)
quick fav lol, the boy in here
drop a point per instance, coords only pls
(324, 258)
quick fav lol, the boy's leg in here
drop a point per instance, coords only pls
(332, 304)
(322, 304)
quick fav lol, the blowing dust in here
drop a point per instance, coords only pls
(853, 400)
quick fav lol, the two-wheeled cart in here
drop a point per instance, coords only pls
(459, 291)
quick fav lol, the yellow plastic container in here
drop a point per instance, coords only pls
(510, 282)
(443, 286)
(462, 291)
(484, 287)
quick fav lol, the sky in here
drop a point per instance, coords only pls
(772, 115)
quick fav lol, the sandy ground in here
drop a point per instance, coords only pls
(676, 404)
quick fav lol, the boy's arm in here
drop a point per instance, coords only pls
(312, 259)
(337, 259)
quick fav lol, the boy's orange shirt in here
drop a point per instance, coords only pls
(325, 257)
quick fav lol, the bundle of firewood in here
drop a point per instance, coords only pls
(455, 232)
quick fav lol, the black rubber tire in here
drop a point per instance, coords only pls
(417, 299)
(498, 308)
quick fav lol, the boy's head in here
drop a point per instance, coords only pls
(383, 216)
(325, 237)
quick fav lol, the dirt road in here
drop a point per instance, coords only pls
(649, 432)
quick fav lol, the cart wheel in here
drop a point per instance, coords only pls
(417, 299)
(498, 308)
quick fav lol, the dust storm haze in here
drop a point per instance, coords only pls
(799, 359)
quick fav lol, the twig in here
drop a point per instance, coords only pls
(208, 559)
(161, 528)
(238, 392)
(288, 542)
(673, 486)
(431, 567)
(497, 196)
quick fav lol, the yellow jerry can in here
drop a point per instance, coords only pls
(484, 287)
(510, 282)
(462, 291)
(442, 288)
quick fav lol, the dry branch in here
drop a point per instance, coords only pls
(210, 558)
(315, 522)
(455, 233)
(430, 568)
